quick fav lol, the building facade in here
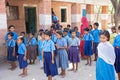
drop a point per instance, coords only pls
(32, 15)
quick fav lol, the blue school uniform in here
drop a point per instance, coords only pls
(67, 38)
(62, 56)
(78, 34)
(104, 71)
(21, 52)
(25, 41)
(69, 34)
(40, 45)
(74, 50)
(10, 49)
(96, 35)
(116, 44)
(88, 38)
(91, 31)
(55, 19)
(31, 51)
(49, 68)
(14, 37)
(32, 42)
(54, 38)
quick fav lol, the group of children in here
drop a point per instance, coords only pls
(57, 47)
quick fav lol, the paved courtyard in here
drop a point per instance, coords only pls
(35, 73)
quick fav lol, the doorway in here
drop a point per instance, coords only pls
(30, 19)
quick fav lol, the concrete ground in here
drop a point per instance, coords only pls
(35, 73)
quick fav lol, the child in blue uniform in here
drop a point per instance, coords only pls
(65, 34)
(62, 56)
(69, 29)
(53, 37)
(50, 67)
(77, 32)
(96, 35)
(106, 58)
(31, 53)
(11, 56)
(91, 29)
(11, 28)
(40, 45)
(116, 45)
(74, 56)
(23, 34)
(22, 56)
(88, 44)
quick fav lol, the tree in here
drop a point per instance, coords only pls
(116, 5)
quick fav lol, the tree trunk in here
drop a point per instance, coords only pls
(116, 20)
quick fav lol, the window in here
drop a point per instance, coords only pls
(63, 15)
(12, 13)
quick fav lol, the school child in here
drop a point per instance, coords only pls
(62, 56)
(31, 49)
(61, 28)
(113, 34)
(22, 56)
(77, 32)
(88, 44)
(106, 58)
(23, 34)
(40, 43)
(91, 29)
(11, 28)
(74, 57)
(116, 45)
(53, 37)
(50, 67)
(69, 29)
(40, 31)
(65, 34)
(11, 56)
(96, 35)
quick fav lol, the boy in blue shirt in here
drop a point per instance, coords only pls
(11, 56)
(50, 67)
(96, 35)
(11, 28)
(22, 56)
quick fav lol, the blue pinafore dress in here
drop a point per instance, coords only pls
(10, 56)
(88, 47)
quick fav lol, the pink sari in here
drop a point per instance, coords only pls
(84, 25)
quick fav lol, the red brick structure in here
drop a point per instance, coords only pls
(33, 15)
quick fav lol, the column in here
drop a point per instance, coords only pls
(3, 28)
(45, 18)
(75, 14)
(90, 13)
(104, 17)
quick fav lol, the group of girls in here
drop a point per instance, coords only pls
(57, 47)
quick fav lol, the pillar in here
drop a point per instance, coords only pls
(3, 28)
(90, 13)
(104, 17)
(75, 14)
(45, 18)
